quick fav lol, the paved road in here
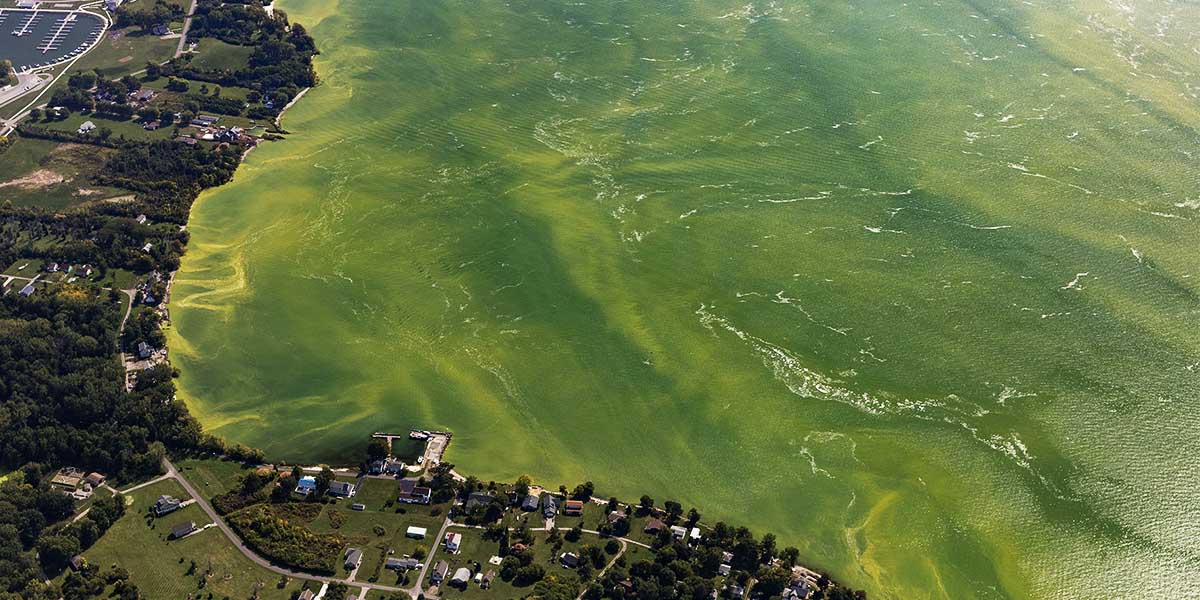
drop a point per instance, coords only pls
(187, 24)
(415, 590)
(258, 560)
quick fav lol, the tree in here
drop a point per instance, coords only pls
(766, 547)
(529, 574)
(646, 503)
(693, 517)
(674, 510)
(324, 478)
(522, 485)
(584, 491)
(377, 450)
(56, 550)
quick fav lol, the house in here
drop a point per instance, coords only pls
(736, 591)
(67, 477)
(52, 267)
(486, 582)
(530, 503)
(478, 500)
(569, 560)
(27, 291)
(401, 564)
(147, 247)
(724, 569)
(87, 127)
(416, 533)
(111, 5)
(453, 541)
(86, 270)
(187, 140)
(439, 572)
(160, 30)
(306, 485)
(573, 508)
(26, 4)
(549, 506)
(143, 95)
(205, 121)
(78, 563)
(182, 529)
(615, 517)
(94, 479)
(306, 595)
(694, 534)
(461, 577)
(411, 493)
(726, 557)
(144, 350)
(358, 507)
(679, 532)
(386, 466)
(152, 126)
(797, 590)
(141, 219)
(165, 505)
(517, 548)
(352, 558)
(341, 489)
(654, 526)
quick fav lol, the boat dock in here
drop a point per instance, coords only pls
(54, 39)
(33, 19)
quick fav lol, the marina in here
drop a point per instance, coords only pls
(39, 38)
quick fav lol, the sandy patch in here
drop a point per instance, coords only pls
(39, 179)
(125, 59)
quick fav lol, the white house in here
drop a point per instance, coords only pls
(87, 127)
(417, 533)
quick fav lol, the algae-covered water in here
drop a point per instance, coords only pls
(912, 284)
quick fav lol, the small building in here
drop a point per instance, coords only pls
(111, 5)
(78, 563)
(478, 500)
(160, 30)
(143, 95)
(144, 350)
(52, 267)
(94, 479)
(141, 219)
(726, 557)
(152, 125)
(27, 291)
(87, 127)
(530, 503)
(182, 529)
(799, 589)
(461, 577)
(358, 507)
(573, 508)
(147, 247)
(694, 534)
(306, 485)
(439, 572)
(724, 569)
(615, 517)
(26, 4)
(307, 594)
(416, 533)
(453, 541)
(352, 558)
(679, 532)
(736, 591)
(569, 560)
(341, 489)
(654, 526)
(486, 582)
(549, 506)
(386, 466)
(165, 505)
(67, 477)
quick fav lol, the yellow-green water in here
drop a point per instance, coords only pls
(910, 284)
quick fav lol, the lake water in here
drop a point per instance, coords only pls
(46, 37)
(911, 284)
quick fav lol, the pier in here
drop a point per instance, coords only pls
(54, 39)
(34, 19)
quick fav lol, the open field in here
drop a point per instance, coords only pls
(211, 476)
(52, 175)
(160, 567)
(214, 54)
(912, 285)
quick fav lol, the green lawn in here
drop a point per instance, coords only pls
(124, 51)
(212, 53)
(160, 567)
(212, 476)
(128, 129)
(160, 84)
(476, 549)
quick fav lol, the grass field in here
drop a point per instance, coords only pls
(52, 175)
(211, 476)
(160, 567)
(911, 284)
(212, 53)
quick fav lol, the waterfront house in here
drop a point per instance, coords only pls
(182, 529)
(439, 572)
(453, 541)
(477, 501)
(654, 526)
(573, 508)
(530, 503)
(797, 590)
(352, 558)
(549, 506)
(341, 489)
(306, 485)
(165, 505)
(416, 533)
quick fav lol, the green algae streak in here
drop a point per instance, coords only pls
(911, 284)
